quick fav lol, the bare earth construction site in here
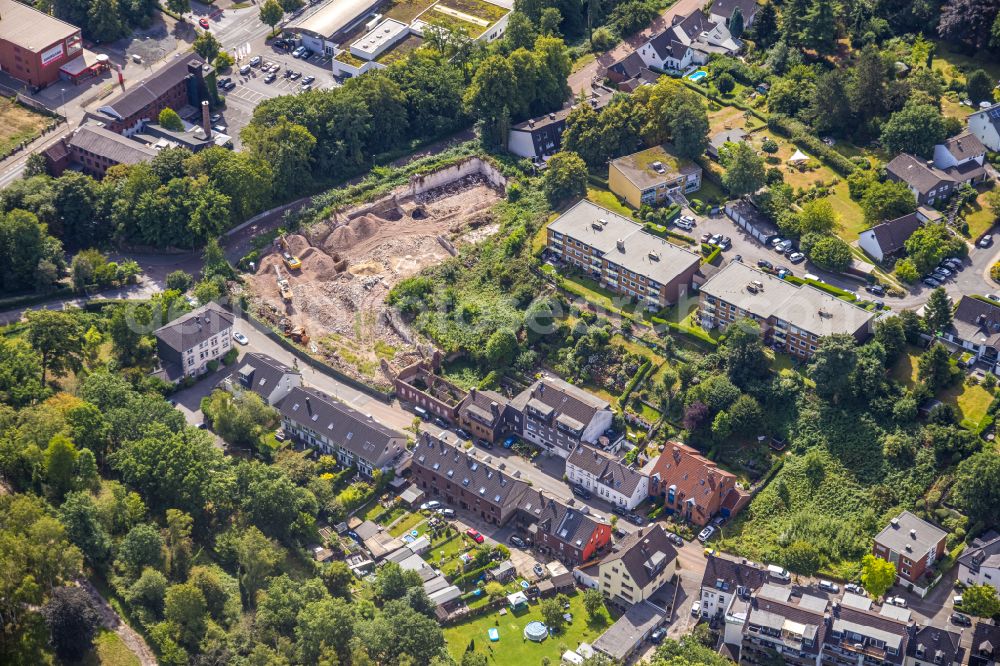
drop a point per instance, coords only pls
(349, 264)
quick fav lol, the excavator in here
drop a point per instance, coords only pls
(292, 262)
(283, 287)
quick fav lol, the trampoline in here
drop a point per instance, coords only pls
(536, 631)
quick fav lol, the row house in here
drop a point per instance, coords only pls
(726, 580)
(860, 636)
(792, 318)
(783, 628)
(483, 414)
(557, 416)
(565, 532)
(607, 477)
(980, 563)
(266, 376)
(622, 256)
(314, 419)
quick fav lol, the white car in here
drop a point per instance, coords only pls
(430, 506)
(696, 608)
(896, 601)
(240, 338)
(828, 586)
(681, 223)
(706, 534)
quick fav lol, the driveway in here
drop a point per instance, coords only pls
(580, 80)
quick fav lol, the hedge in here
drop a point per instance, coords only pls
(823, 286)
(711, 253)
(632, 383)
(696, 333)
(725, 102)
(665, 233)
(800, 135)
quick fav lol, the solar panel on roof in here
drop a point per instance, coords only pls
(993, 113)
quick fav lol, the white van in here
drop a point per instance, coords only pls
(779, 573)
(421, 412)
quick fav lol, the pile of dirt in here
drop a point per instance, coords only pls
(297, 244)
(348, 235)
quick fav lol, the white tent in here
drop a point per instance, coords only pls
(798, 157)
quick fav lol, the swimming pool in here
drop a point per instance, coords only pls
(698, 76)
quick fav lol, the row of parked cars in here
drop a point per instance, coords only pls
(787, 247)
(944, 271)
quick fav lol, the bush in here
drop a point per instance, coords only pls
(995, 272)
(602, 39)
(223, 61)
(799, 134)
(725, 83)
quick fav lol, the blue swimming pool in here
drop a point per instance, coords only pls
(698, 76)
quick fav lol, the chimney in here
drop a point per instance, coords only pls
(913, 534)
(472, 392)
(206, 121)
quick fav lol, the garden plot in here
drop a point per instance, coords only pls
(350, 263)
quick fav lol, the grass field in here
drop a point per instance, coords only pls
(512, 648)
(971, 401)
(18, 124)
(607, 199)
(109, 650)
(956, 65)
(408, 523)
(405, 11)
(978, 214)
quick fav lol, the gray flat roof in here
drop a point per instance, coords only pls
(805, 306)
(25, 26)
(602, 229)
(333, 17)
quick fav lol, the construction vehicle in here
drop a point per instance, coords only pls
(283, 287)
(296, 333)
(292, 262)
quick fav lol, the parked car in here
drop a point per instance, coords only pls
(675, 539)
(203, 22)
(299, 52)
(581, 492)
(780, 573)
(796, 257)
(635, 519)
(709, 551)
(475, 535)
(764, 263)
(245, 70)
(812, 276)
(308, 79)
(620, 510)
(688, 218)
(305, 87)
(294, 75)
(941, 270)
(216, 117)
(957, 601)
(538, 570)
(896, 601)
(783, 272)
(783, 246)
(229, 85)
(876, 289)
(220, 128)
(658, 635)
(706, 533)
(516, 541)
(776, 241)
(509, 441)
(683, 224)
(240, 338)
(985, 241)
(430, 506)
(461, 433)
(993, 297)
(279, 435)
(961, 620)
(953, 263)
(447, 513)
(696, 608)
(715, 239)
(270, 78)
(484, 444)
(854, 588)
(829, 587)
(725, 242)
(705, 237)
(931, 282)
(255, 61)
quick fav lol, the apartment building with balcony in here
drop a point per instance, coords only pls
(622, 256)
(933, 646)
(652, 176)
(793, 318)
(860, 636)
(783, 627)
(557, 416)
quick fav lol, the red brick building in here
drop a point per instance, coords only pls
(912, 544)
(34, 45)
(692, 487)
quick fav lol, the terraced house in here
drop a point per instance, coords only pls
(558, 416)
(780, 625)
(692, 487)
(622, 256)
(606, 476)
(314, 419)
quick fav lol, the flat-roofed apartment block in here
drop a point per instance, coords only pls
(784, 628)
(793, 318)
(622, 256)
(652, 175)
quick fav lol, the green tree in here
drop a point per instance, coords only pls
(891, 334)
(820, 29)
(142, 547)
(257, 556)
(179, 6)
(58, 337)
(979, 87)
(327, 623)
(981, 601)
(744, 169)
(915, 129)
(20, 373)
(207, 46)
(103, 22)
(241, 419)
(489, 96)
(270, 13)
(148, 591)
(765, 27)
(906, 270)
(60, 466)
(338, 578)
(831, 253)
(833, 367)
(877, 575)
(286, 147)
(593, 602)
(72, 621)
(178, 542)
(737, 23)
(887, 201)
(552, 614)
(977, 485)
(869, 89)
(83, 527)
(292, 5)
(501, 347)
(169, 119)
(689, 126)
(802, 558)
(565, 178)
(817, 217)
(931, 243)
(549, 21)
(937, 311)
(725, 83)
(934, 367)
(743, 353)
(180, 281)
(185, 607)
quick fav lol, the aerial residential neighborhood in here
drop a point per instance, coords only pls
(479, 332)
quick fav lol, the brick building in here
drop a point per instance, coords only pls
(34, 45)
(912, 544)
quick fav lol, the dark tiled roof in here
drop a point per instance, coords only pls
(938, 645)
(987, 552)
(115, 147)
(976, 321)
(733, 573)
(562, 398)
(667, 46)
(487, 407)
(891, 235)
(892, 632)
(597, 101)
(765, 610)
(629, 67)
(965, 146)
(566, 524)
(608, 471)
(262, 372)
(726, 7)
(693, 24)
(366, 438)
(644, 554)
(898, 536)
(985, 643)
(146, 92)
(197, 326)
(495, 487)
(915, 173)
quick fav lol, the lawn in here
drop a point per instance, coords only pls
(479, 9)
(512, 648)
(410, 522)
(439, 15)
(608, 199)
(18, 124)
(956, 65)
(971, 401)
(978, 214)
(710, 192)
(852, 219)
(405, 11)
(636, 348)
(403, 48)
(109, 650)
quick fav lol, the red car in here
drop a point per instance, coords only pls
(203, 22)
(475, 535)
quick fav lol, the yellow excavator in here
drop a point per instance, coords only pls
(283, 287)
(292, 262)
